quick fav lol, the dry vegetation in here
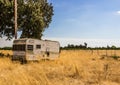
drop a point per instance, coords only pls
(75, 67)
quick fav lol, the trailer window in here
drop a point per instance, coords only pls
(18, 47)
(29, 47)
(38, 46)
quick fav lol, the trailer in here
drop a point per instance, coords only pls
(28, 49)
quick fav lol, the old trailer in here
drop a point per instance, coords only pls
(28, 49)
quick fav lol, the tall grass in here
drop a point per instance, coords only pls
(75, 67)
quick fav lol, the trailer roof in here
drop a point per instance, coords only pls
(25, 39)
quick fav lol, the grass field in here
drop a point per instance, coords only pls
(75, 67)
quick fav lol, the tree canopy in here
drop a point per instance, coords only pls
(34, 16)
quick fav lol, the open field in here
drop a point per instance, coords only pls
(75, 67)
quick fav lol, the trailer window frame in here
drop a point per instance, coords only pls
(38, 46)
(30, 47)
(19, 47)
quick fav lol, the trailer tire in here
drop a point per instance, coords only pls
(21, 60)
(12, 59)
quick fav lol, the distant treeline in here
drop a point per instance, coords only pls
(73, 47)
(6, 48)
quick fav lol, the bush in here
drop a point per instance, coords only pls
(2, 55)
(115, 57)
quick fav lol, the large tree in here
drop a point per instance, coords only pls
(34, 16)
(6, 19)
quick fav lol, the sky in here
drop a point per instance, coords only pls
(77, 21)
(82, 20)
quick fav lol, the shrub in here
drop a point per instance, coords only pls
(115, 57)
(2, 55)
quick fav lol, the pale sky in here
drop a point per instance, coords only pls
(96, 22)
(86, 20)
(91, 19)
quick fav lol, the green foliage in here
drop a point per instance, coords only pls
(113, 47)
(1, 55)
(6, 48)
(73, 47)
(6, 19)
(115, 57)
(34, 16)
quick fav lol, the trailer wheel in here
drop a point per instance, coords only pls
(25, 61)
(21, 61)
(12, 59)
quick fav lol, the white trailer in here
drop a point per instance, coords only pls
(28, 49)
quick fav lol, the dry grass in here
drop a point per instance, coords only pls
(75, 67)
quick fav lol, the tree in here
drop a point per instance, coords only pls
(113, 47)
(85, 44)
(34, 16)
(6, 19)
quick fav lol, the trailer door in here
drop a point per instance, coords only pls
(47, 52)
(30, 49)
